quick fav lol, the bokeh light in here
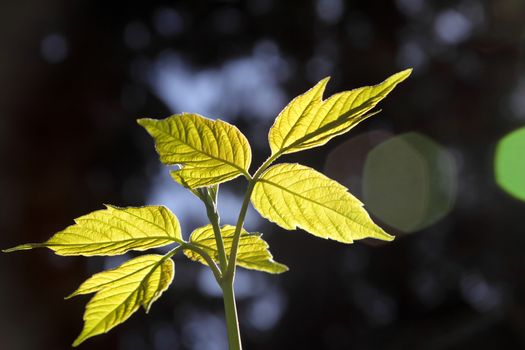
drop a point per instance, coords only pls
(266, 310)
(168, 22)
(409, 182)
(54, 48)
(330, 11)
(225, 91)
(509, 163)
(452, 27)
(346, 162)
(76, 76)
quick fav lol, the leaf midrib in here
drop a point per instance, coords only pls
(102, 285)
(313, 201)
(168, 238)
(141, 283)
(233, 165)
(366, 106)
(354, 113)
(176, 227)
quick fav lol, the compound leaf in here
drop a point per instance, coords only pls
(208, 151)
(122, 291)
(114, 231)
(252, 252)
(308, 121)
(293, 195)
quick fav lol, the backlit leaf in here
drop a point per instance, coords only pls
(114, 231)
(122, 291)
(252, 253)
(293, 195)
(308, 121)
(208, 151)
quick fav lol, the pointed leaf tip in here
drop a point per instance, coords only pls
(309, 121)
(401, 76)
(293, 195)
(143, 121)
(9, 250)
(20, 247)
(114, 231)
(408, 71)
(120, 292)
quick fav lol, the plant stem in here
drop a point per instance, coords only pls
(228, 275)
(213, 266)
(232, 323)
(213, 216)
(228, 294)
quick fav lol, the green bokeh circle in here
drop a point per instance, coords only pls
(409, 182)
(509, 163)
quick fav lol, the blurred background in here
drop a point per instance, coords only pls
(442, 166)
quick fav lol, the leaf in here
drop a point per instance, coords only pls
(308, 121)
(203, 193)
(114, 231)
(208, 151)
(252, 253)
(293, 195)
(122, 291)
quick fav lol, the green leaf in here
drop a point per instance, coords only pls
(208, 151)
(308, 121)
(203, 193)
(293, 195)
(122, 291)
(252, 253)
(114, 231)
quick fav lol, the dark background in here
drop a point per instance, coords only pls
(74, 76)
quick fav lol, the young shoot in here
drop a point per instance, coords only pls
(208, 153)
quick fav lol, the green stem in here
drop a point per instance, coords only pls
(213, 216)
(171, 252)
(229, 274)
(228, 277)
(232, 323)
(265, 165)
(213, 266)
